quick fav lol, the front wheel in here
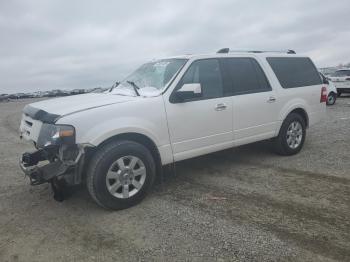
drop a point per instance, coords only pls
(331, 98)
(120, 174)
(291, 137)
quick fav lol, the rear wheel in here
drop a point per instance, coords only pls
(291, 137)
(120, 174)
(331, 98)
(339, 93)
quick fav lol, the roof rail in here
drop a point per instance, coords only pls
(227, 50)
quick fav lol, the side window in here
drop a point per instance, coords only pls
(294, 72)
(207, 73)
(246, 75)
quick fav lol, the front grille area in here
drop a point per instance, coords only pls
(28, 123)
(30, 128)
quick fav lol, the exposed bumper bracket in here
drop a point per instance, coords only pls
(41, 174)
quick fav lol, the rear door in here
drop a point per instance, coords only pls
(255, 103)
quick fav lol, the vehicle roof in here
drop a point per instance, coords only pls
(235, 54)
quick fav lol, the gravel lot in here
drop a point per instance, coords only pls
(244, 204)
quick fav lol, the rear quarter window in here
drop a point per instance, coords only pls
(294, 72)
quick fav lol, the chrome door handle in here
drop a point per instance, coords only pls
(271, 99)
(220, 107)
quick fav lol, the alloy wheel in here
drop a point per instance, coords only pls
(294, 134)
(125, 177)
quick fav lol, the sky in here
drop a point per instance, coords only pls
(61, 44)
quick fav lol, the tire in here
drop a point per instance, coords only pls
(331, 98)
(339, 93)
(283, 142)
(110, 184)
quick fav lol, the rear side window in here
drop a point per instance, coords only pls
(246, 75)
(294, 71)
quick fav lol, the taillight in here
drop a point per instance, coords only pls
(323, 94)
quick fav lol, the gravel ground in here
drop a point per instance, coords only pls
(244, 204)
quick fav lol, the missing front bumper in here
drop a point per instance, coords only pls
(42, 174)
(69, 170)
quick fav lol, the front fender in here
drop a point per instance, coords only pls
(146, 116)
(108, 129)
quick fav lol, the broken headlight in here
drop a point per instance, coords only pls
(51, 135)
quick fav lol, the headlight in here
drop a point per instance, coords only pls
(56, 135)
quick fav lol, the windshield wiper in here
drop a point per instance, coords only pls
(132, 83)
(114, 86)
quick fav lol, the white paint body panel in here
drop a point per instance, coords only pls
(331, 88)
(184, 130)
(195, 127)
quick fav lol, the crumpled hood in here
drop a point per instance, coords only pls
(68, 105)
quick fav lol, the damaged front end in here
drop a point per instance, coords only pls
(64, 162)
(58, 165)
(58, 159)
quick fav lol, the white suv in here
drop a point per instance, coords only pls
(341, 79)
(166, 111)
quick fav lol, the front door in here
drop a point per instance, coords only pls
(201, 125)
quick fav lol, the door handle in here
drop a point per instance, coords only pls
(271, 99)
(220, 107)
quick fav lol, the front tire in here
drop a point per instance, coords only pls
(120, 174)
(291, 137)
(331, 98)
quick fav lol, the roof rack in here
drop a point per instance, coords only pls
(227, 50)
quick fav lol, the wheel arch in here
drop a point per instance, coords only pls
(302, 113)
(141, 139)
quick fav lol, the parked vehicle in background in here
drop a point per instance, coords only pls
(327, 71)
(331, 90)
(169, 110)
(341, 80)
(19, 96)
(4, 97)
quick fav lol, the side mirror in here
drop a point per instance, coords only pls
(189, 91)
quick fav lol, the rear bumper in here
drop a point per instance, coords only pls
(343, 90)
